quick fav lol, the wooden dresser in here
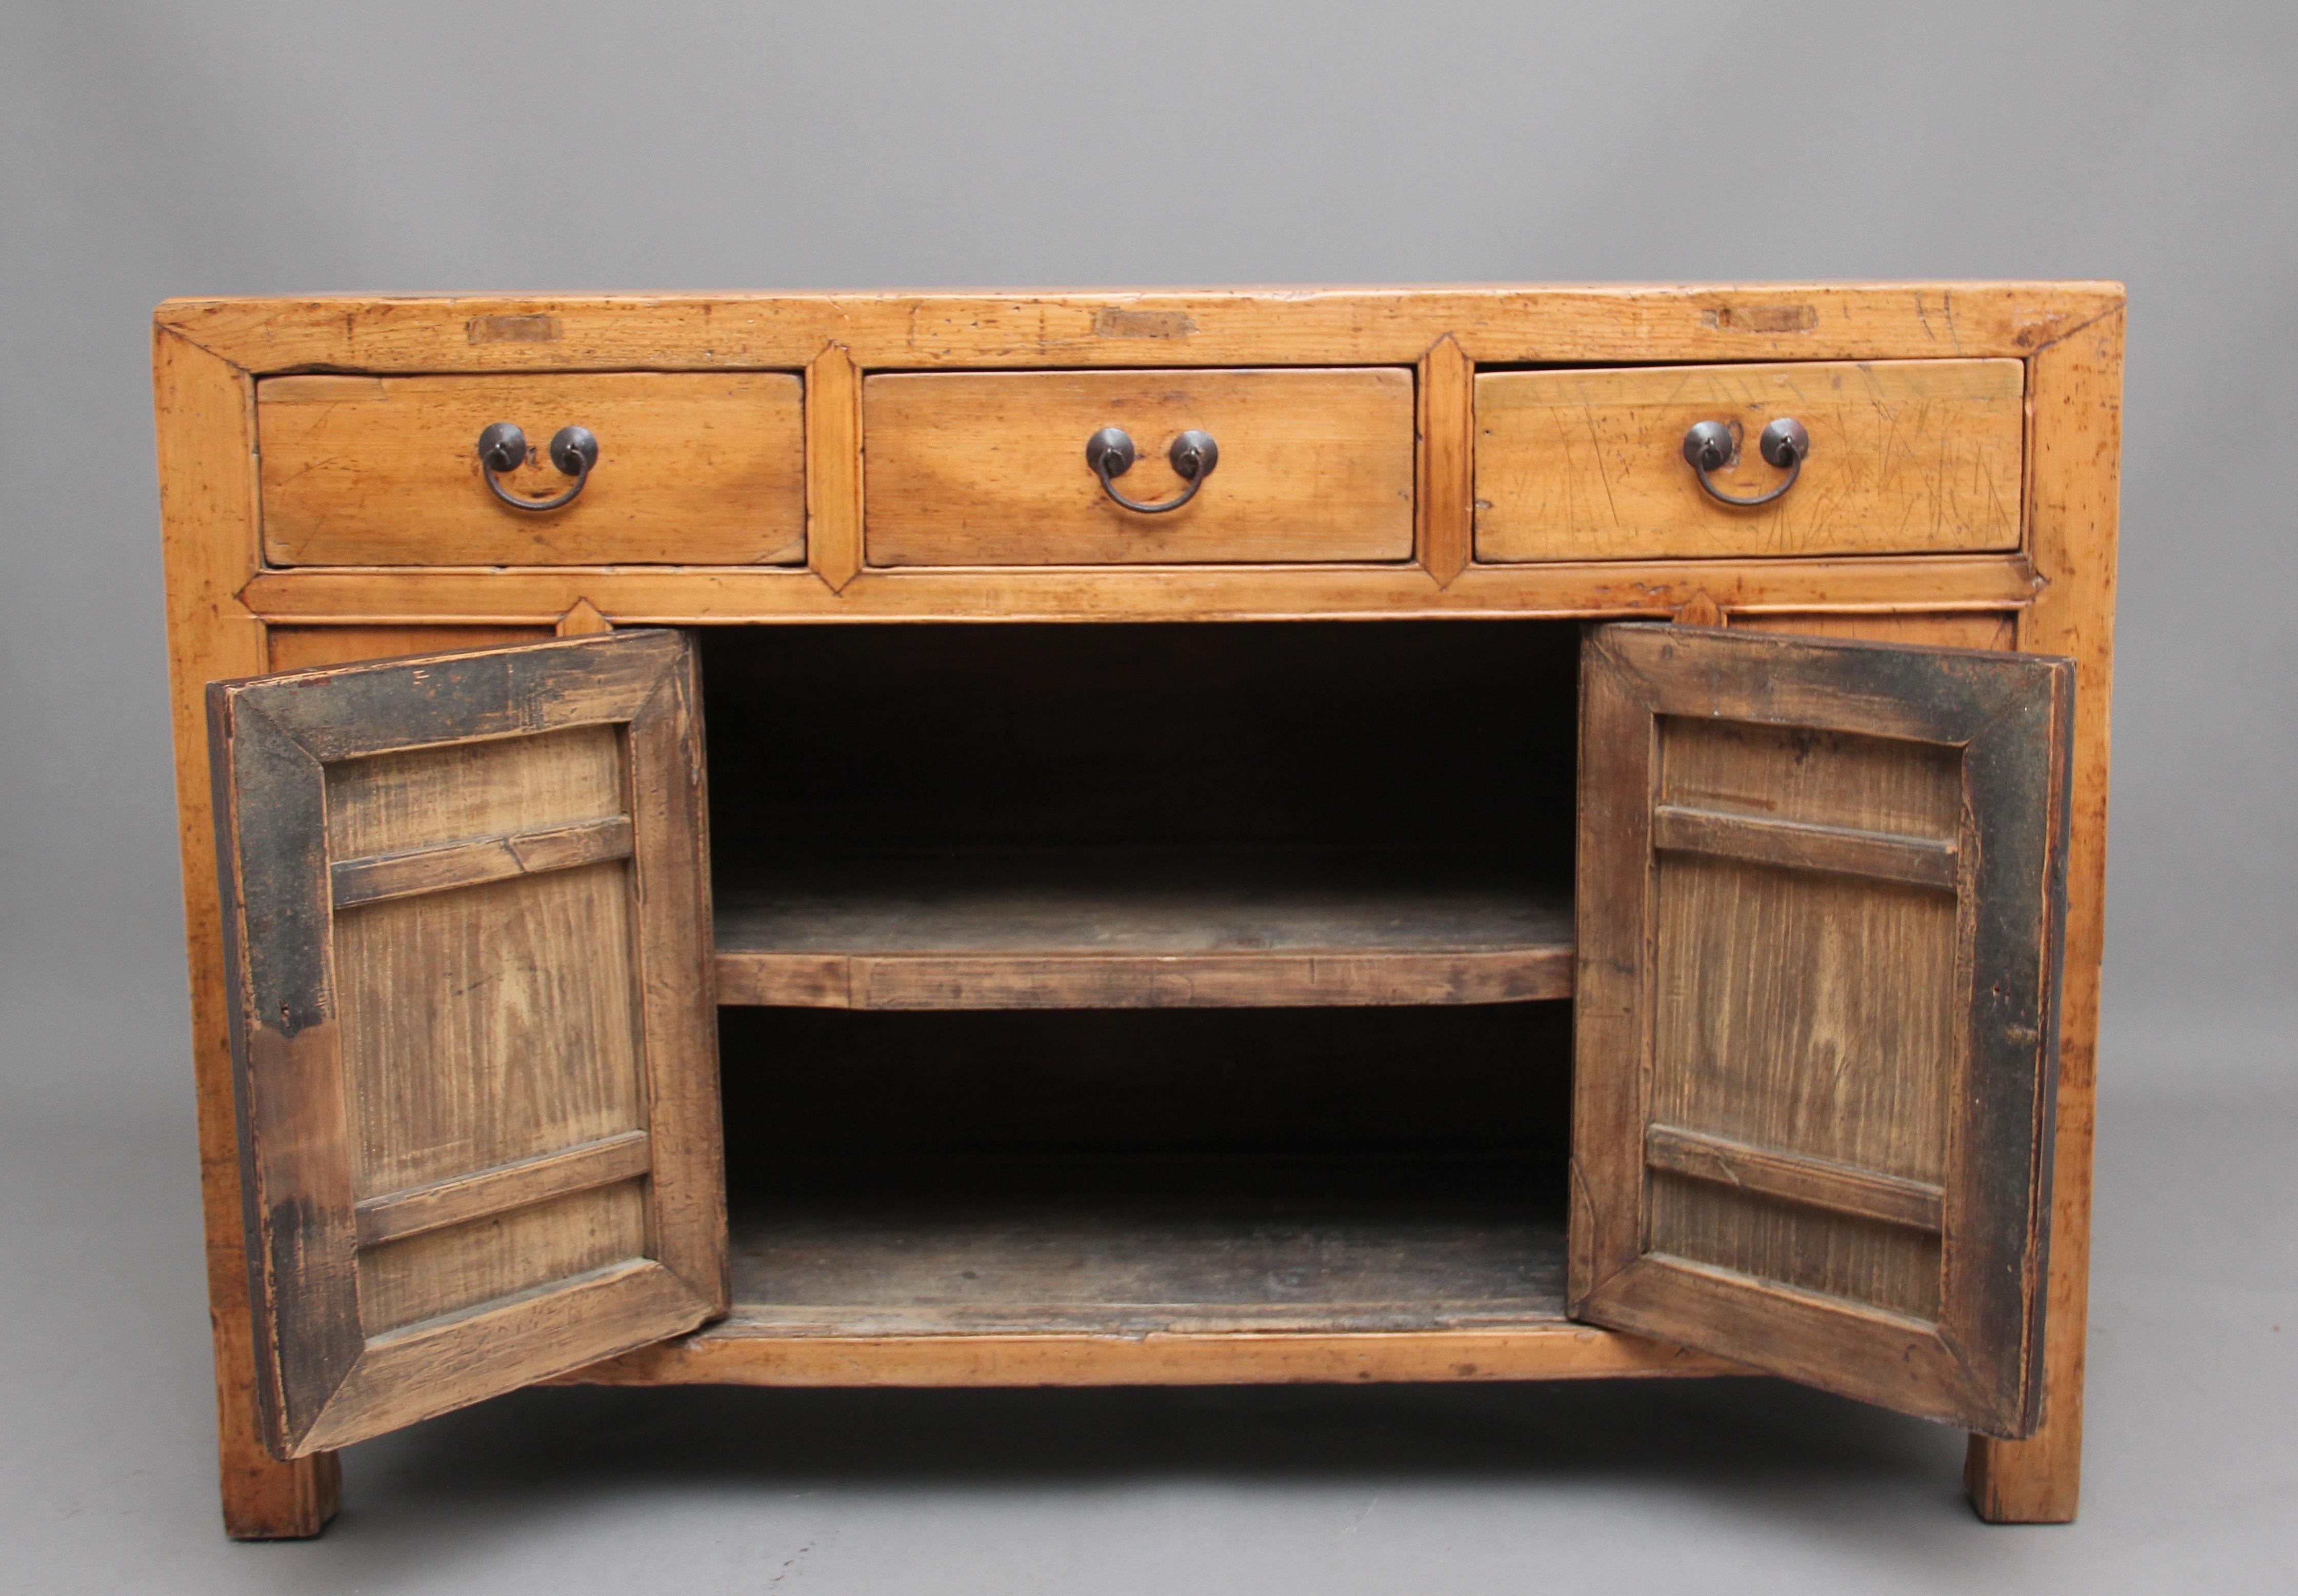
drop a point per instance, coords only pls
(1499, 834)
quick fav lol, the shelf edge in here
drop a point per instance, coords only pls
(943, 981)
(723, 1356)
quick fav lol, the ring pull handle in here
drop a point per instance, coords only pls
(503, 447)
(1709, 446)
(1193, 457)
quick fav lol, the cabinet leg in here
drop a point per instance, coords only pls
(2035, 1480)
(2077, 384)
(266, 1500)
(2038, 1480)
(263, 1498)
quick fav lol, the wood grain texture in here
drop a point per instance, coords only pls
(946, 981)
(301, 648)
(1153, 1245)
(440, 1085)
(1767, 969)
(411, 1212)
(576, 684)
(1873, 584)
(989, 468)
(1611, 1021)
(206, 441)
(1699, 610)
(1995, 629)
(2075, 448)
(727, 1356)
(1581, 323)
(1797, 1177)
(1090, 933)
(677, 1017)
(1796, 775)
(408, 1055)
(419, 799)
(1808, 1014)
(471, 864)
(1774, 1248)
(1906, 457)
(695, 469)
(583, 619)
(439, 1273)
(833, 467)
(1794, 844)
(1448, 399)
(1898, 1030)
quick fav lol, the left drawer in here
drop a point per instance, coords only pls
(691, 468)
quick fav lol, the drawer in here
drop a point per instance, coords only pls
(1906, 457)
(691, 469)
(988, 468)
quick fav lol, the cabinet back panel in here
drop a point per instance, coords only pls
(1245, 1083)
(1413, 735)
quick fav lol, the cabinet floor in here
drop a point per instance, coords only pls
(1136, 1246)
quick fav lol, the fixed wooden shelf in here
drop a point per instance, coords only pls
(1139, 930)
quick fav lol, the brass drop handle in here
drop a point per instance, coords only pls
(503, 447)
(1709, 446)
(1192, 456)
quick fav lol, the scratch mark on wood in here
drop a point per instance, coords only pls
(514, 329)
(1110, 321)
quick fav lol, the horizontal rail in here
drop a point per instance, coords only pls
(376, 877)
(398, 1214)
(1796, 1177)
(1798, 845)
(688, 595)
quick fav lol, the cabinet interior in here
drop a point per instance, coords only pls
(972, 1125)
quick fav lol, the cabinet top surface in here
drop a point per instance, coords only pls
(1492, 323)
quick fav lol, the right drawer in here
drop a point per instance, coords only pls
(1905, 457)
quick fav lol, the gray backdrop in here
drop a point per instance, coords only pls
(148, 149)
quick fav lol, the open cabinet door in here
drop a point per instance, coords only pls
(468, 937)
(1821, 893)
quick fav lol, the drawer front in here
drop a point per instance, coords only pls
(1906, 457)
(988, 468)
(692, 469)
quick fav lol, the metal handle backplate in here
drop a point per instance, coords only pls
(1193, 457)
(503, 447)
(1710, 446)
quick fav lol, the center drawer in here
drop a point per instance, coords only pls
(990, 468)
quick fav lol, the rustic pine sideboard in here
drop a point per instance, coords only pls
(1494, 833)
